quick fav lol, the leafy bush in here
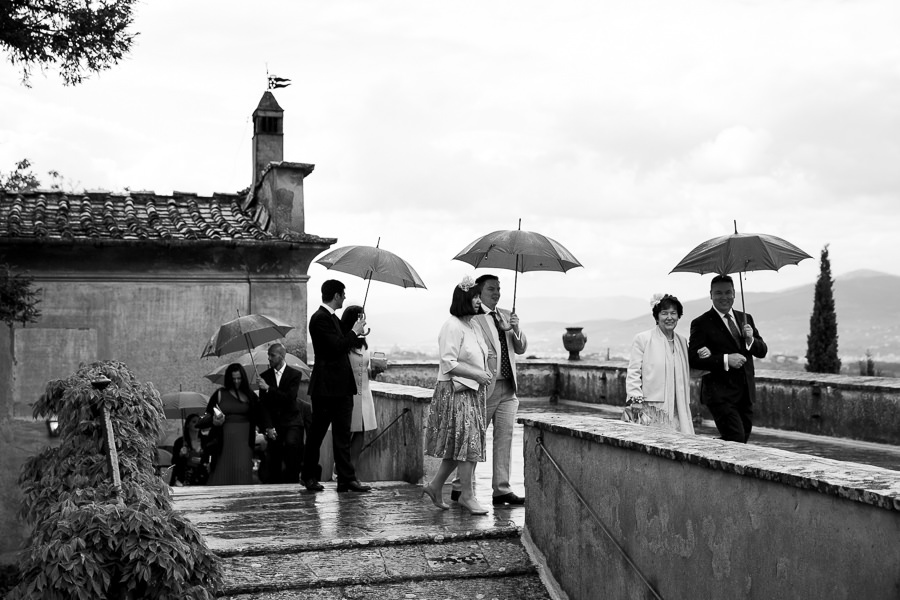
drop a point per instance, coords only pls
(90, 540)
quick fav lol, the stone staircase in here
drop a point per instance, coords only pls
(281, 542)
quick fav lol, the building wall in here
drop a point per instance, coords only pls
(701, 518)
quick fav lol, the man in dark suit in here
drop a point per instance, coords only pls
(331, 389)
(279, 386)
(724, 341)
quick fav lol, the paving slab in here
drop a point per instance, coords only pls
(376, 565)
(520, 587)
(285, 517)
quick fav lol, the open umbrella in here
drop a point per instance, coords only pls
(259, 358)
(518, 250)
(372, 263)
(245, 332)
(738, 253)
(176, 404)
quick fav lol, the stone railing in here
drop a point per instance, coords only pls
(396, 450)
(861, 408)
(617, 510)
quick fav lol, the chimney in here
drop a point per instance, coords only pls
(268, 135)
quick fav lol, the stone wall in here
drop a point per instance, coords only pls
(860, 408)
(615, 508)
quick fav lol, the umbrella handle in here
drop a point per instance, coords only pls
(516, 278)
(250, 353)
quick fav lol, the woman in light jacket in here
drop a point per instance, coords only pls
(658, 372)
(457, 421)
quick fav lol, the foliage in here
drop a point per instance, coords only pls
(79, 36)
(88, 539)
(22, 179)
(867, 366)
(822, 341)
(18, 298)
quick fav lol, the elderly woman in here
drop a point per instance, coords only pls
(457, 421)
(658, 373)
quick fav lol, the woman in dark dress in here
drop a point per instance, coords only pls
(232, 452)
(190, 455)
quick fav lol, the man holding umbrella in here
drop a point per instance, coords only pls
(331, 388)
(723, 342)
(278, 389)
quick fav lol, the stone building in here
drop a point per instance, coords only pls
(147, 278)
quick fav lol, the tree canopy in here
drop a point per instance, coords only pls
(80, 37)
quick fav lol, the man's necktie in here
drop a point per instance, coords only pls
(505, 367)
(735, 332)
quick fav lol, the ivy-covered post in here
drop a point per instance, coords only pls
(109, 439)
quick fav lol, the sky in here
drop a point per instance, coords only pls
(628, 131)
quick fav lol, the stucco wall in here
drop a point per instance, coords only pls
(703, 518)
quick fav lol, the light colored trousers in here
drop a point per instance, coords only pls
(501, 412)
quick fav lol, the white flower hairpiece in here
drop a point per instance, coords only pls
(655, 299)
(466, 283)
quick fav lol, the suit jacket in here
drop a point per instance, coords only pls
(719, 385)
(332, 374)
(281, 401)
(514, 345)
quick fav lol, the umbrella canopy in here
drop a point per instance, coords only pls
(245, 333)
(738, 253)
(259, 358)
(372, 264)
(518, 250)
(177, 404)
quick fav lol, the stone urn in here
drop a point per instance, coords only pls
(574, 341)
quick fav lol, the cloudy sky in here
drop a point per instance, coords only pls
(629, 131)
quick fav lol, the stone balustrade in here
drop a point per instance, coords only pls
(860, 408)
(616, 508)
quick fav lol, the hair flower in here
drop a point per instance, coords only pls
(466, 283)
(655, 299)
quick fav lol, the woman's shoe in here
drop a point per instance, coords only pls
(473, 507)
(426, 491)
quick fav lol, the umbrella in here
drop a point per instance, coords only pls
(260, 360)
(738, 253)
(372, 263)
(176, 403)
(245, 333)
(519, 251)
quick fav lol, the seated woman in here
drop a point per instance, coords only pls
(658, 373)
(190, 457)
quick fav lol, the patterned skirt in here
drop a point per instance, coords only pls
(456, 423)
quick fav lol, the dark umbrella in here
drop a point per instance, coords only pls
(245, 333)
(372, 263)
(518, 251)
(738, 253)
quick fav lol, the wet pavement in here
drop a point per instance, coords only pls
(392, 543)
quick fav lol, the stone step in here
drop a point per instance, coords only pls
(523, 587)
(391, 568)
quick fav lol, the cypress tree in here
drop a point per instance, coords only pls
(822, 341)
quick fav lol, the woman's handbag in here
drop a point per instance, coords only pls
(642, 413)
(214, 419)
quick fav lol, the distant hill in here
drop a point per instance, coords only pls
(865, 320)
(868, 319)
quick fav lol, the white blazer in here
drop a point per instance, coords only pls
(514, 345)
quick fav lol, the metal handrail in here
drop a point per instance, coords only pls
(540, 443)
(385, 430)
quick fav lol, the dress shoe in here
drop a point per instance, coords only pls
(509, 499)
(313, 485)
(353, 486)
(454, 495)
(435, 499)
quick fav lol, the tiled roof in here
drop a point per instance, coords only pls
(53, 215)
